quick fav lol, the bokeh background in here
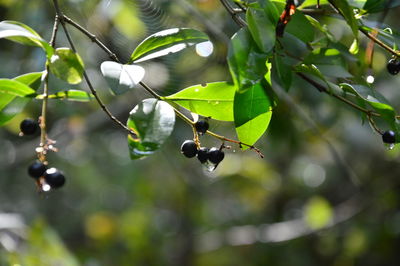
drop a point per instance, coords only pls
(326, 193)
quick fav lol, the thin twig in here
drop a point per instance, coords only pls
(88, 82)
(235, 16)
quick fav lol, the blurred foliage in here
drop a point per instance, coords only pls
(166, 209)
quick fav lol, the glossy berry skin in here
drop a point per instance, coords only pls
(54, 178)
(29, 126)
(201, 126)
(215, 155)
(189, 148)
(37, 169)
(389, 137)
(202, 154)
(393, 66)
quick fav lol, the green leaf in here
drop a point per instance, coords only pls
(347, 12)
(252, 113)
(300, 27)
(167, 42)
(70, 95)
(318, 212)
(120, 77)
(281, 73)
(373, 6)
(246, 63)
(153, 122)
(11, 105)
(262, 27)
(309, 3)
(67, 65)
(21, 33)
(16, 88)
(329, 61)
(373, 99)
(213, 100)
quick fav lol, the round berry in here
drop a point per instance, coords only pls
(201, 126)
(393, 66)
(389, 137)
(215, 155)
(189, 148)
(29, 126)
(37, 169)
(54, 178)
(202, 154)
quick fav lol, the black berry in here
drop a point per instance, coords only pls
(189, 148)
(393, 66)
(215, 155)
(201, 126)
(54, 178)
(37, 169)
(389, 137)
(202, 154)
(29, 126)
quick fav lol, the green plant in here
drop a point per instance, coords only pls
(278, 43)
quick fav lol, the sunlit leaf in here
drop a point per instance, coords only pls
(347, 11)
(11, 105)
(121, 78)
(21, 33)
(16, 88)
(213, 100)
(167, 42)
(252, 113)
(153, 122)
(70, 95)
(67, 65)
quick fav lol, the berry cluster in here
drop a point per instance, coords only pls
(46, 178)
(211, 156)
(393, 66)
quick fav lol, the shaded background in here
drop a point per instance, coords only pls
(327, 198)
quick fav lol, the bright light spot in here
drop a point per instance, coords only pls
(204, 49)
(51, 170)
(370, 79)
(46, 187)
(314, 175)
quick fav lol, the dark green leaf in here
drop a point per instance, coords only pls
(71, 95)
(67, 65)
(153, 122)
(120, 77)
(329, 61)
(167, 42)
(252, 112)
(20, 33)
(246, 63)
(213, 100)
(262, 27)
(300, 27)
(373, 6)
(281, 72)
(347, 12)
